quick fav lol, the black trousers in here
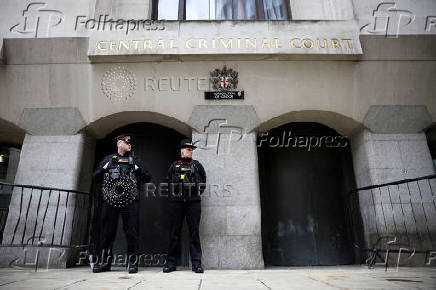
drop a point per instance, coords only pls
(130, 217)
(178, 211)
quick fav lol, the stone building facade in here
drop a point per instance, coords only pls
(74, 72)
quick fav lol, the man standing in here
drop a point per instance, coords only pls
(187, 180)
(122, 175)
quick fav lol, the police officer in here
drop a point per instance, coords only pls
(122, 174)
(187, 179)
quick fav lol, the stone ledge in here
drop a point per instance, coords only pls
(51, 121)
(404, 47)
(397, 119)
(45, 50)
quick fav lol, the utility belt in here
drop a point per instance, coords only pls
(184, 179)
(185, 173)
(120, 184)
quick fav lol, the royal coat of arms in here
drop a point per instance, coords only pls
(225, 79)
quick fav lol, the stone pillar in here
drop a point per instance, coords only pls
(231, 218)
(383, 158)
(393, 147)
(58, 161)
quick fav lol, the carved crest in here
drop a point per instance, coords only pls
(225, 79)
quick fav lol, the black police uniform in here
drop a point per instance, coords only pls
(129, 213)
(187, 180)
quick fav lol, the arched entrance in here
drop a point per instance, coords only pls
(155, 145)
(305, 172)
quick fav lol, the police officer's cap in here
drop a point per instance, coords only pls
(125, 137)
(186, 143)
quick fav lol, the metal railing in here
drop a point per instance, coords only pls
(44, 217)
(400, 217)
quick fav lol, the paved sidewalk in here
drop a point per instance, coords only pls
(341, 277)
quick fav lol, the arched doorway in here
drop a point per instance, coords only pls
(155, 145)
(431, 140)
(305, 172)
(11, 140)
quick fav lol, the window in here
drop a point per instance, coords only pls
(199, 9)
(221, 10)
(235, 9)
(168, 9)
(276, 9)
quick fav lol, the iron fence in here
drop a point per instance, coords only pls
(43, 217)
(395, 218)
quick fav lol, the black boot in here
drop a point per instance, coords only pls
(133, 264)
(169, 268)
(197, 269)
(133, 268)
(101, 268)
(105, 264)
